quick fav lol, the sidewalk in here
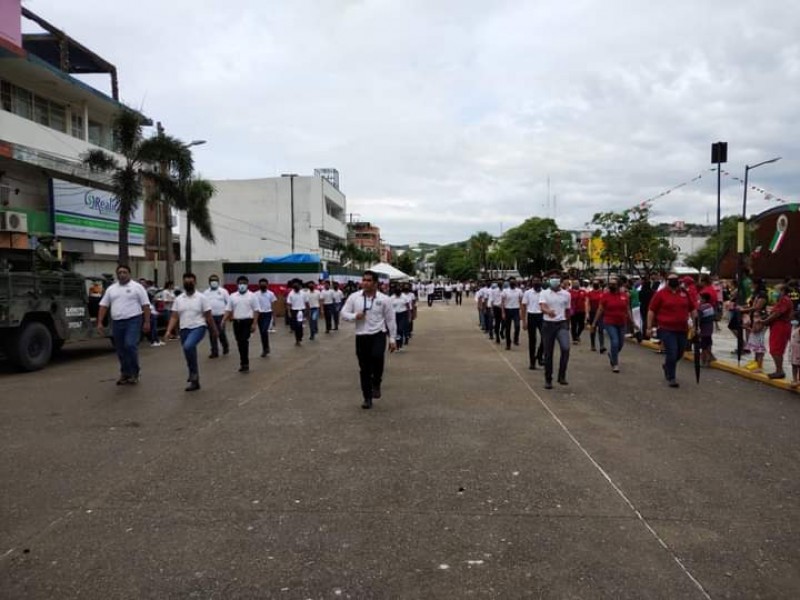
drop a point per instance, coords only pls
(724, 349)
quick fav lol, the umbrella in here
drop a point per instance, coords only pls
(696, 346)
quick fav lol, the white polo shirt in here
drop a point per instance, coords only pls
(191, 310)
(495, 296)
(243, 306)
(379, 313)
(399, 303)
(512, 297)
(218, 300)
(126, 301)
(296, 300)
(265, 300)
(556, 301)
(327, 296)
(531, 301)
(338, 296)
(313, 297)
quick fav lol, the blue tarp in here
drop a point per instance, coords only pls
(292, 258)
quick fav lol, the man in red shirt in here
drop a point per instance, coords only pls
(592, 305)
(780, 330)
(669, 311)
(615, 312)
(577, 310)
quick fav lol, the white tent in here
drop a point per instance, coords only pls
(390, 271)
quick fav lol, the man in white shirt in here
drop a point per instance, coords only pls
(555, 303)
(408, 292)
(402, 314)
(338, 300)
(218, 298)
(266, 298)
(495, 302)
(328, 300)
(448, 293)
(313, 299)
(130, 315)
(243, 311)
(459, 293)
(166, 297)
(532, 322)
(297, 304)
(511, 299)
(374, 316)
(191, 312)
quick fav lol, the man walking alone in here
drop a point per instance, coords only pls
(243, 311)
(373, 314)
(218, 298)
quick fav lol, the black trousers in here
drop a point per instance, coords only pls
(497, 318)
(329, 308)
(241, 331)
(430, 299)
(578, 322)
(297, 326)
(534, 328)
(552, 332)
(512, 316)
(370, 350)
(459, 297)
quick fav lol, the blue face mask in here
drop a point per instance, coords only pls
(555, 284)
(242, 288)
(214, 285)
(795, 322)
(506, 286)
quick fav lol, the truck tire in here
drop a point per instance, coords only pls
(34, 346)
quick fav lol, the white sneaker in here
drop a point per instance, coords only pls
(155, 344)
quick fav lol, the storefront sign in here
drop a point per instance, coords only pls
(90, 214)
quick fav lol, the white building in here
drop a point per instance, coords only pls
(254, 218)
(685, 246)
(48, 121)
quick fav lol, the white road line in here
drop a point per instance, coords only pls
(607, 477)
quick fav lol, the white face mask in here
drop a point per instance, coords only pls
(214, 285)
(242, 288)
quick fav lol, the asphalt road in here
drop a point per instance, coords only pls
(467, 479)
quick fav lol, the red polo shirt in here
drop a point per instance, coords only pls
(712, 292)
(578, 300)
(615, 308)
(672, 309)
(594, 299)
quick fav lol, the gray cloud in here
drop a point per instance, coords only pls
(447, 117)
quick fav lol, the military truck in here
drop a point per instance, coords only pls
(43, 307)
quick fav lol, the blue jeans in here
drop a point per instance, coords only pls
(616, 339)
(674, 346)
(402, 320)
(313, 322)
(153, 327)
(190, 338)
(264, 321)
(555, 332)
(126, 334)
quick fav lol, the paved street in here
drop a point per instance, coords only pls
(467, 479)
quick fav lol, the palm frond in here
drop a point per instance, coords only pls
(99, 160)
(128, 187)
(127, 128)
(169, 150)
(199, 194)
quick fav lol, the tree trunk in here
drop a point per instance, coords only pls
(170, 253)
(123, 256)
(188, 257)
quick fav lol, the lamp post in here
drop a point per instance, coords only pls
(719, 155)
(291, 177)
(740, 243)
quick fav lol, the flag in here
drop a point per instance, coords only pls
(781, 226)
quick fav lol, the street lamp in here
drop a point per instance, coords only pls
(740, 239)
(194, 143)
(291, 177)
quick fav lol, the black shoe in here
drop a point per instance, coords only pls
(212, 355)
(508, 347)
(673, 383)
(563, 382)
(516, 342)
(541, 362)
(244, 369)
(376, 393)
(532, 367)
(133, 380)
(594, 349)
(226, 350)
(602, 350)
(193, 386)
(366, 404)
(123, 380)
(263, 354)
(548, 385)
(498, 340)
(777, 375)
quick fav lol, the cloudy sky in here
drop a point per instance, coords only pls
(447, 116)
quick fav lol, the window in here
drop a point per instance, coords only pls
(96, 134)
(334, 210)
(22, 103)
(41, 110)
(5, 95)
(77, 126)
(58, 117)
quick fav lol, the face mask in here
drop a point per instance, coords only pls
(242, 288)
(596, 286)
(263, 288)
(575, 286)
(494, 286)
(673, 283)
(506, 286)
(795, 322)
(537, 286)
(613, 287)
(555, 284)
(188, 288)
(214, 285)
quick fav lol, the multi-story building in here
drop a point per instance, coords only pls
(274, 216)
(365, 235)
(49, 120)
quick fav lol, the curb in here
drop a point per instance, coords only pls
(740, 371)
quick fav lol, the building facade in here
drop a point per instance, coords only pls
(274, 216)
(49, 120)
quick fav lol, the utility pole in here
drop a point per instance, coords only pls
(291, 177)
(719, 155)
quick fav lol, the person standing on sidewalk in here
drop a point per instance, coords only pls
(130, 315)
(510, 301)
(577, 312)
(779, 322)
(374, 317)
(532, 322)
(328, 305)
(266, 298)
(218, 298)
(615, 314)
(243, 311)
(313, 299)
(297, 305)
(669, 313)
(191, 312)
(555, 303)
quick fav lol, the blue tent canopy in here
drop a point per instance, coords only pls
(292, 258)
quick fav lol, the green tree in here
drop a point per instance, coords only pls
(455, 262)
(479, 244)
(707, 255)
(193, 196)
(535, 246)
(129, 176)
(405, 262)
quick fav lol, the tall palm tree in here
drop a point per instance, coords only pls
(195, 202)
(128, 177)
(480, 244)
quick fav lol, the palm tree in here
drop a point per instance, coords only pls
(127, 178)
(194, 200)
(480, 244)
